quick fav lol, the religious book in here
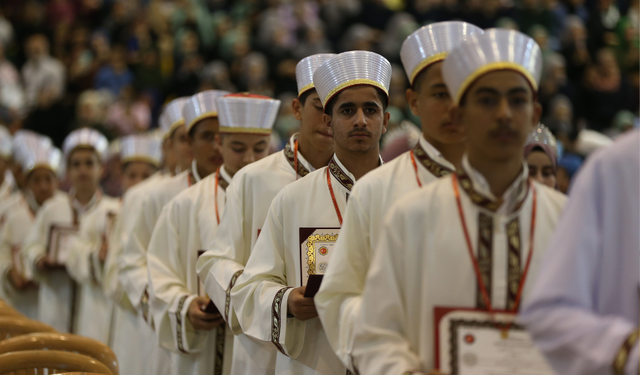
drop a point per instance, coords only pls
(60, 240)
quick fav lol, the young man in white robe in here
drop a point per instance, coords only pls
(436, 154)
(46, 247)
(140, 158)
(132, 271)
(305, 217)
(130, 332)
(39, 163)
(584, 307)
(469, 240)
(195, 334)
(248, 201)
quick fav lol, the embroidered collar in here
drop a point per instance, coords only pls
(304, 168)
(432, 159)
(477, 189)
(225, 178)
(340, 173)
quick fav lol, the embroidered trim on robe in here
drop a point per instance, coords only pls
(290, 156)
(431, 165)
(179, 325)
(622, 356)
(485, 256)
(339, 175)
(276, 319)
(227, 301)
(220, 339)
(514, 271)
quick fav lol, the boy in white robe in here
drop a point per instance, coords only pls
(39, 163)
(47, 245)
(466, 241)
(436, 154)
(195, 334)
(248, 201)
(584, 307)
(130, 332)
(140, 158)
(132, 271)
(269, 297)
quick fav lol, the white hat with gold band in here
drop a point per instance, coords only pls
(201, 106)
(6, 143)
(305, 69)
(86, 138)
(140, 148)
(496, 49)
(431, 44)
(171, 116)
(247, 113)
(33, 152)
(351, 69)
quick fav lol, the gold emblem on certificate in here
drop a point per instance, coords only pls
(316, 248)
(469, 342)
(60, 238)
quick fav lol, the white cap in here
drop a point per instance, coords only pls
(33, 152)
(431, 44)
(86, 138)
(247, 113)
(201, 106)
(140, 148)
(305, 69)
(6, 143)
(351, 69)
(542, 135)
(171, 116)
(496, 49)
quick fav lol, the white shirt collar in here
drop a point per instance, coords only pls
(224, 174)
(511, 197)
(301, 159)
(79, 207)
(435, 154)
(194, 170)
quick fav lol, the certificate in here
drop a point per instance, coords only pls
(60, 238)
(469, 343)
(316, 248)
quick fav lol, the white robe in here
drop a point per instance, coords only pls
(248, 199)
(7, 187)
(57, 298)
(339, 296)
(94, 309)
(132, 268)
(585, 303)
(421, 261)
(174, 284)
(275, 267)
(18, 221)
(128, 334)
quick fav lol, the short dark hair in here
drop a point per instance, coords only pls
(305, 95)
(328, 109)
(418, 80)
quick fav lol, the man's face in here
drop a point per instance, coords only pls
(498, 113)
(541, 168)
(84, 169)
(358, 119)
(135, 172)
(204, 147)
(239, 150)
(179, 146)
(432, 104)
(42, 183)
(311, 125)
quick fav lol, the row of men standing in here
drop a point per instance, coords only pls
(211, 269)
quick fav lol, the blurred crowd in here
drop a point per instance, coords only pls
(112, 64)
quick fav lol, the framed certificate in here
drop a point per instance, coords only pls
(60, 238)
(316, 248)
(469, 343)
